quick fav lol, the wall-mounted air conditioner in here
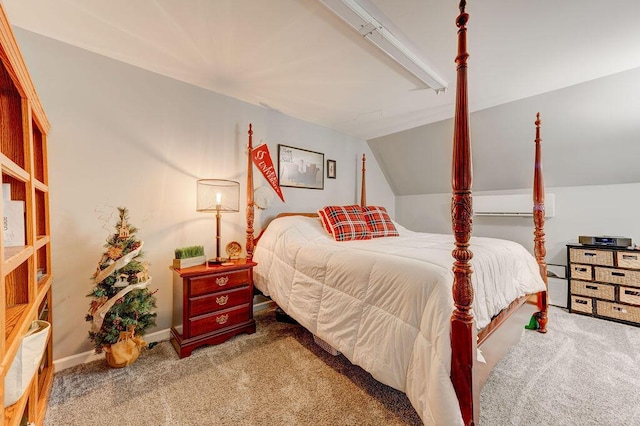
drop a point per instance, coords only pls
(511, 205)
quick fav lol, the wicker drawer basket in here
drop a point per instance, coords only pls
(601, 291)
(591, 257)
(627, 259)
(582, 272)
(630, 295)
(618, 276)
(582, 304)
(618, 311)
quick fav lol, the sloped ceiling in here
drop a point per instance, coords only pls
(296, 57)
(589, 136)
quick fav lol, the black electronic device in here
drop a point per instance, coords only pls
(605, 240)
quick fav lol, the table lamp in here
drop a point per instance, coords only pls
(219, 196)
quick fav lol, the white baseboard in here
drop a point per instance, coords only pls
(158, 336)
(84, 357)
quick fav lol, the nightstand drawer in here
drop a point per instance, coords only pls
(591, 257)
(628, 260)
(630, 295)
(221, 319)
(217, 282)
(218, 301)
(618, 276)
(581, 272)
(582, 304)
(618, 311)
(601, 291)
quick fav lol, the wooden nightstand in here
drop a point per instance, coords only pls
(211, 304)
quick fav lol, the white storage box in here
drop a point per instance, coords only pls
(558, 290)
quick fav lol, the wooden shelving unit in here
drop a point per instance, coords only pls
(25, 270)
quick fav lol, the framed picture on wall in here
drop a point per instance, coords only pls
(300, 168)
(331, 169)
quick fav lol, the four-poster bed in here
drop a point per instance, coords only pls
(324, 304)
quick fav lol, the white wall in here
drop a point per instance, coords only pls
(589, 137)
(122, 136)
(589, 147)
(580, 210)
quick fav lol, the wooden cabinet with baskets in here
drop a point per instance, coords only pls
(211, 304)
(605, 282)
(25, 247)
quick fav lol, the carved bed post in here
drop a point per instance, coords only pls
(363, 188)
(538, 220)
(250, 243)
(462, 326)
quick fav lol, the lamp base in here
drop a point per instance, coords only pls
(220, 262)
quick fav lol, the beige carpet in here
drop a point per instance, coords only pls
(585, 371)
(277, 376)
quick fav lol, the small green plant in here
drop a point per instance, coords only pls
(192, 251)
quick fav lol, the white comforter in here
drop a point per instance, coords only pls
(386, 303)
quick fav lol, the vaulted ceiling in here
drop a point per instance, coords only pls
(297, 57)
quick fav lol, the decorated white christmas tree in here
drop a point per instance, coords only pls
(122, 305)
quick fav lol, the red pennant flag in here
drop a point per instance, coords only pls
(262, 160)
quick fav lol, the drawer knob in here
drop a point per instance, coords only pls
(581, 269)
(222, 300)
(630, 257)
(222, 281)
(581, 302)
(587, 254)
(222, 319)
(619, 309)
(617, 274)
(632, 293)
(592, 287)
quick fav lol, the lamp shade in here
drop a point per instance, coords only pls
(218, 195)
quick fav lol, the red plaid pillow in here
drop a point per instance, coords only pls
(379, 222)
(325, 222)
(347, 223)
